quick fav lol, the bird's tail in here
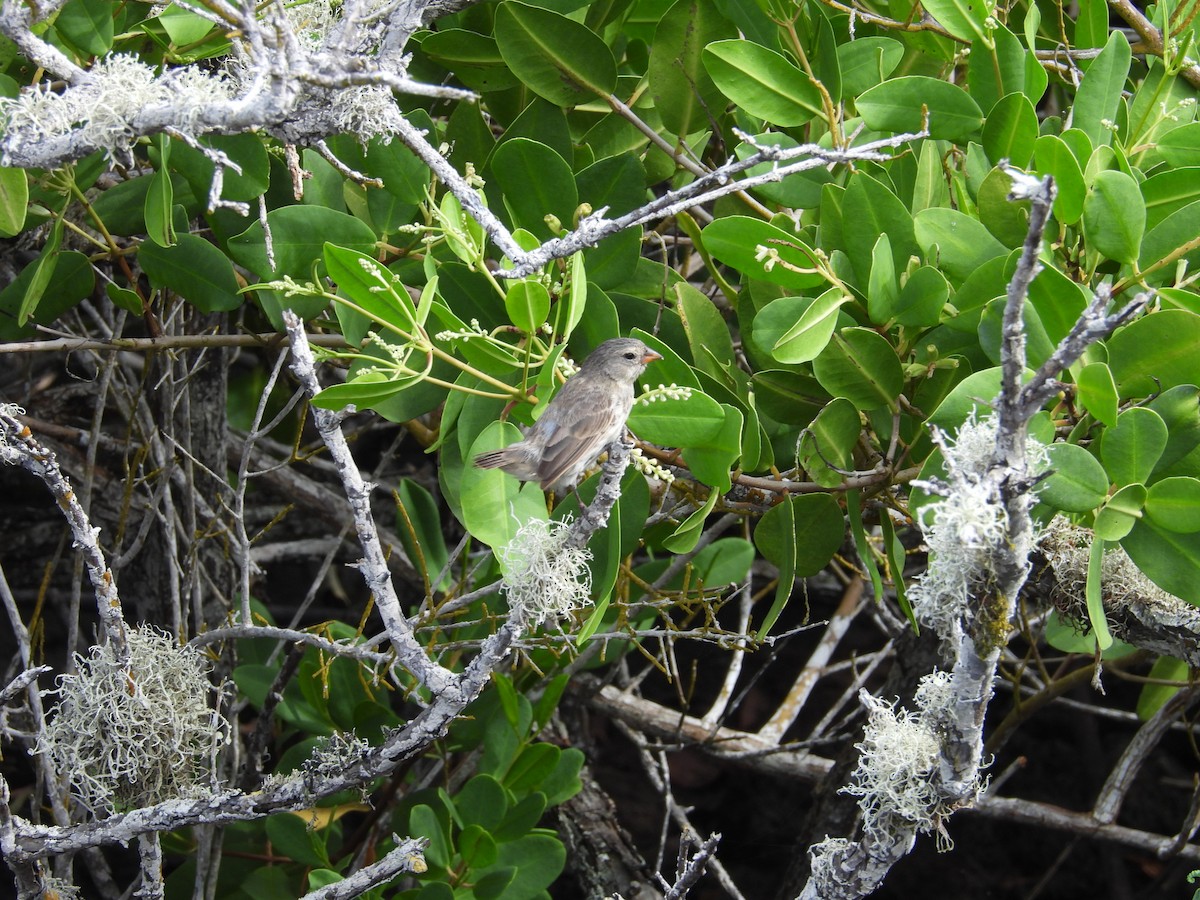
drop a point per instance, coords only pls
(493, 460)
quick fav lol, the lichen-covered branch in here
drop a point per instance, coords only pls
(981, 535)
(19, 447)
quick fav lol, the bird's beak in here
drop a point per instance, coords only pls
(651, 356)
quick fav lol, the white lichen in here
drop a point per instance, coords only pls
(968, 526)
(128, 736)
(103, 111)
(1067, 548)
(900, 754)
(543, 579)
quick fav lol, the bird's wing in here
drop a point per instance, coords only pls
(580, 431)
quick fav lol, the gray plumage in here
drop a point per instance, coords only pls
(586, 415)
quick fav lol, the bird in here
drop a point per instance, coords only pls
(586, 415)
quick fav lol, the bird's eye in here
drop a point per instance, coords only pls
(631, 355)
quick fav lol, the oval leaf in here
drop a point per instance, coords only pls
(1132, 448)
(1114, 216)
(1078, 482)
(860, 365)
(1173, 504)
(762, 83)
(558, 58)
(896, 106)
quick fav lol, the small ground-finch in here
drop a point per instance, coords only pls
(585, 416)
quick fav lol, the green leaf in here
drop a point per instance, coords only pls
(372, 288)
(1097, 392)
(1114, 216)
(365, 391)
(707, 332)
(1118, 516)
(1078, 482)
(1053, 157)
(88, 25)
(673, 422)
(1099, 93)
(440, 890)
(930, 188)
(535, 763)
(1038, 346)
(527, 304)
(563, 782)
(195, 270)
(828, 443)
(762, 83)
(787, 396)
(159, 201)
(1156, 352)
(1091, 25)
(973, 394)
(711, 461)
(476, 847)
(1155, 693)
(963, 18)
(299, 234)
(1173, 504)
(860, 365)
(537, 182)
(1005, 218)
(683, 91)
(292, 836)
(895, 106)
(1095, 600)
(317, 878)
(490, 887)
(558, 58)
(569, 309)
(1181, 146)
(725, 561)
(1173, 232)
(799, 535)
(954, 241)
(866, 551)
(494, 504)
(404, 175)
(684, 538)
(424, 822)
(538, 859)
(736, 240)
(875, 210)
(812, 331)
(866, 62)
(923, 298)
(183, 26)
(1168, 192)
(1132, 448)
(14, 197)
(124, 298)
(1000, 67)
(41, 273)
(1180, 410)
(246, 149)
(883, 291)
(1169, 559)
(419, 527)
(1011, 130)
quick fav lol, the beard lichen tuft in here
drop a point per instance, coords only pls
(130, 736)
